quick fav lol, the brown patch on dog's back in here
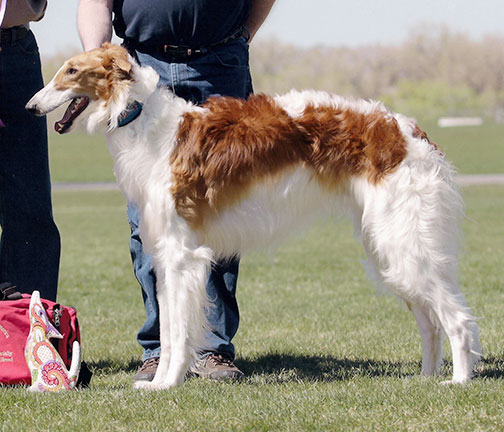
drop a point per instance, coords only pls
(345, 142)
(221, 152)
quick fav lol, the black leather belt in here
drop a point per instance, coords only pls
(13, 34)
(181, 51)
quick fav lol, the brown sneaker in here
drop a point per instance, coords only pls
(217, 367)
(147, 370)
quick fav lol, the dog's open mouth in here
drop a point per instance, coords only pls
(75, 108)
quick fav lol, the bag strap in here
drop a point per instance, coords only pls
(9, 292)
(57, 323)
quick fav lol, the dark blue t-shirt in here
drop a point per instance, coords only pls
(190, 23)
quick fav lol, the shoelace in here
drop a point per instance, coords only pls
(218, 359)
(154, 361)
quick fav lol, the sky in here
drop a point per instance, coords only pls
(321, 22)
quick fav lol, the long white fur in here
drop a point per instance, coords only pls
(407, 223)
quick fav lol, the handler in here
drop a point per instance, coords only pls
(30, 243)
(200, 49)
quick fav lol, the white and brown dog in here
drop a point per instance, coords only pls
(217, 180)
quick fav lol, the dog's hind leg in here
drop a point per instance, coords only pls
(430, 332)
(433, 296)
(409, 229)
(462, 331)
(432, 340)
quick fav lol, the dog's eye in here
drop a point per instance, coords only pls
(71, 71)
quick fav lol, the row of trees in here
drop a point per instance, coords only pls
(433, 73)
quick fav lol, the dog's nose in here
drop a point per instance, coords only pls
(31, 109)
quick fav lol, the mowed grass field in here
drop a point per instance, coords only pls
(321, 350)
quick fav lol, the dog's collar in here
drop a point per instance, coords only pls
(130, 113)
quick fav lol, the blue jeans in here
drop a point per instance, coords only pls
(30, 242)
(223, 71)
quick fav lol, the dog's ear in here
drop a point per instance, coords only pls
(123, 63)
(116, 58)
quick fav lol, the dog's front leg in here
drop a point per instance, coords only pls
(163, 292)
(164, 330)
(168, 287)
(182, 301)
(188, 302)
(178, 340)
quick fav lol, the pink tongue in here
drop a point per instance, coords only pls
(74, 109)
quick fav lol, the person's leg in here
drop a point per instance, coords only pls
(148, 335)
(30, 242)
(224, 71)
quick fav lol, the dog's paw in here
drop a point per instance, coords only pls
(143, 385)
(456, 382)
(152, 385)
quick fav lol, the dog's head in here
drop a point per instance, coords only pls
(99, 82)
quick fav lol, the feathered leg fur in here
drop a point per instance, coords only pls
(409, 230)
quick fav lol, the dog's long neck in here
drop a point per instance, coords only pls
(144, 84)
(138, 146)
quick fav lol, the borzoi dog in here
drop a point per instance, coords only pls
(217, 180)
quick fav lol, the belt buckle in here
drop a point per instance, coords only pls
(178, 51)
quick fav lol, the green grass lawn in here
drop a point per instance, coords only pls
(78, 157)
(473, 150)
(320, 349)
